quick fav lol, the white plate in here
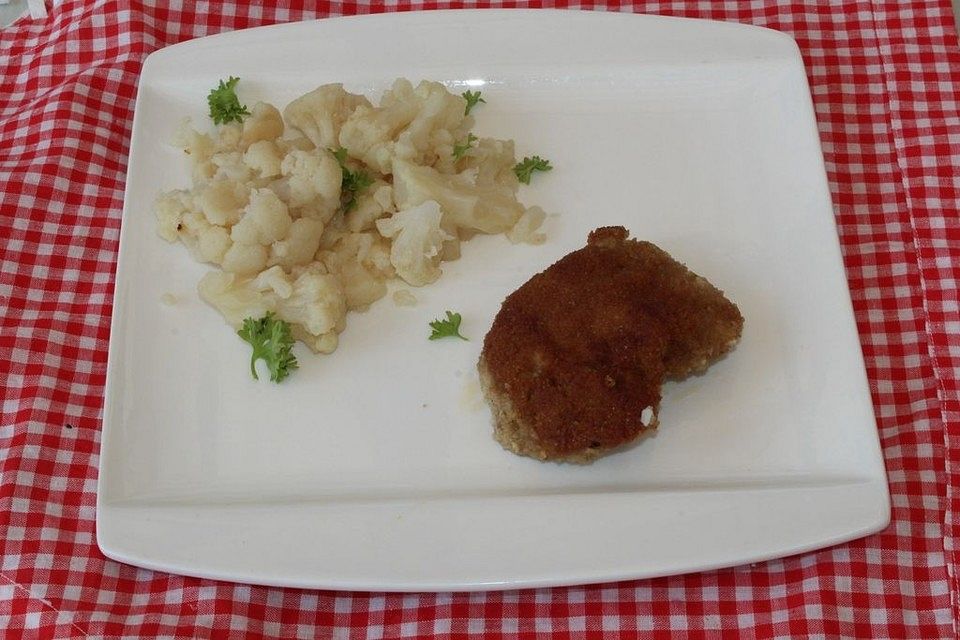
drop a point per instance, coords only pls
(375, 468)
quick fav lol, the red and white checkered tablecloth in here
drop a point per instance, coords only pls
(885, 78)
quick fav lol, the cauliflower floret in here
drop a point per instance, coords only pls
(526, 228)
(264, 157)
(200, 147)
(451, 248)
(265, 219)
(213, 244)
(317, 303)
(372, 204)
(362, 262)
(191, 224)
(494, 161)
(360, 287)
(419, 125)
(312, 303)
(319, 114)
(368, 249)
(230, 166)
(244, 259)
(203, 172)
(403, 298)
(313, 178)
(286, 145)
(170, 208)
(417, 241)
(221, 201)
(369, 133)
(299, 245)
(440, 122)
(489, 208)
(234, 297)
(263, 123)
(192, 141)
(228, 136)
(206, 242)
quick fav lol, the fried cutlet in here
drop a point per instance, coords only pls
(574, 362)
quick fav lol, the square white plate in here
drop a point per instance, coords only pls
(374, 468)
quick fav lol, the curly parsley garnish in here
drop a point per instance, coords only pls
(449, 328)
(271, 341)
(224, 104)
(526, 168)
(473, 98)
(354, 182)
(462, 148)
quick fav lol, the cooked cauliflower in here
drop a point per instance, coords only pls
(263, 123)
(313, 179)
(367, 248)
(417, 240)
(213, 243)
(200, 147)
(228, 137)
(265, 219)
(403, 298)
(361, 286)
(264, 157)
(319, 114)
(488, 208)
(222, 200)
(170, 208)
(293, 231)
(373, 204)
(439, 123)
(244, 259)
(230, 166)
(418, 125)
(494, 161)
(525, 230)
(313, 302)
(299, 245)
(317, 303)
(362, 261)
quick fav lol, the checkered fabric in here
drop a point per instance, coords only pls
(885, 78)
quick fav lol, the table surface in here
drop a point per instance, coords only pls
(885, 77)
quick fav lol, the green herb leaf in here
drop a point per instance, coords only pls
(449, 328)
(353, 183)
(526, 168)
(472, 98)
(272, 342)
(224, 104)
(341, 156)
(460, 149)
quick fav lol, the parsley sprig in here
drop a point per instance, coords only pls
(354, 182)
(449, 328)
(460, 149)
(271, 341)
(472, 98)
(526, 168)
(224, 104)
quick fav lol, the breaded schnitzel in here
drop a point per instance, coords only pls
(573, 364)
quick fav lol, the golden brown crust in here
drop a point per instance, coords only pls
(701, 323)
(574, 361)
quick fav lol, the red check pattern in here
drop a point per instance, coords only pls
(885, 78)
